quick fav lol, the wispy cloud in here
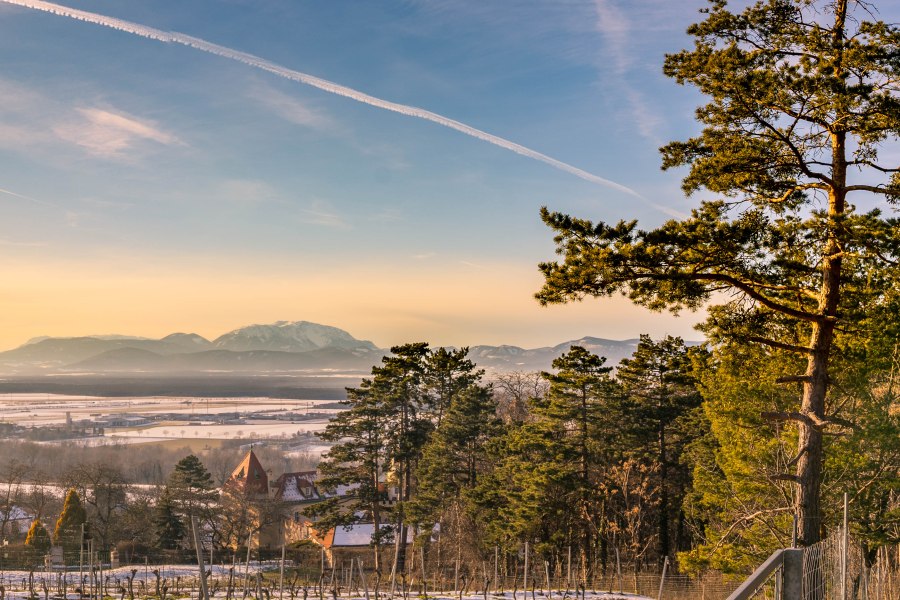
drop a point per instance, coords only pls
(17, 244)
(615, 29)
(33, 122)
(110, 134)
(387, 215)
(248, 192)
(289, 108)
(424, 256)
(647, 121)
(322, 214)
(317, 82)
(73, 219)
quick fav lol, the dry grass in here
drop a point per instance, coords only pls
(195, 445)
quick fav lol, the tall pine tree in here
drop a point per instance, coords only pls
(169, 530)
(453, 462)
(192, 492)
(355, 465)
(803, 95)
(658, 381)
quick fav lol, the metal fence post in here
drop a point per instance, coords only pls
(662, 578)
(792, 574)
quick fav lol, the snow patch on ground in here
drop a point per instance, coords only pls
(15, 590)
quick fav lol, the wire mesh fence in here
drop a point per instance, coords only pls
(842, 568)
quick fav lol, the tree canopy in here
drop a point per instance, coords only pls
(803, 99)
(67, 532)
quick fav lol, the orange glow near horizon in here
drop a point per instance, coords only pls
(447, 304)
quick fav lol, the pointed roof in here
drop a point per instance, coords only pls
(250, 475)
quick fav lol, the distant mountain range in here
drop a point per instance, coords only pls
(281, 347)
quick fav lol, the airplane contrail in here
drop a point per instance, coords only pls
(322, 84)
(28, 198)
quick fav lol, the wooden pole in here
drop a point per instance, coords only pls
(322, 575)
(619, 570)
(845, 549)
(350, 577)
(394, 573)
(204, 593)
(81, 564)
(525, 584)
(662, 578)
(496, 561)
(424, 580)
(362, 577)
(281, 576)
(247, 567)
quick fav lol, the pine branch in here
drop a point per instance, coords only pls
(780, 345)
(794, 379)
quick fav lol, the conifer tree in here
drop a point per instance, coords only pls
(738, 497)
(38, 538)
(37, 541)
(380, 439)
(548, 483)
(448, 372)
(580, 406)
(68, 527)
(803, 95)
(191, 486)
(400, 383)
(453, 462)
(662, 395)
(169, 530)
(192, 492)
(355, 464)
(455, 455)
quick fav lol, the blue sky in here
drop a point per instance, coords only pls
(150, 187)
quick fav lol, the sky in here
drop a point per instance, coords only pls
(149, 187)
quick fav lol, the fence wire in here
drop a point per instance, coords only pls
(832, 571)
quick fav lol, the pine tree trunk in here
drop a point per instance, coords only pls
(815, 387)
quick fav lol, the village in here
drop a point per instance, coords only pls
(269, 529)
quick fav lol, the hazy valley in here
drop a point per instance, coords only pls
(279, 360)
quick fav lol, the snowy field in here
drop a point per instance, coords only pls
(15, 585)
(50, 409)
(15, 588)
(264, 429)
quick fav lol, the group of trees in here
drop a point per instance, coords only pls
(105, 512)
(589, 463)
(796, 265)
(795, 262)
